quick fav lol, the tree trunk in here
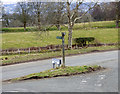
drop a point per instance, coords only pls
(117, 14)
(24, 18)
(24, 26)
(58, 26)
(39, 25)
(117, 22)
(38, 15)
(70, 37)
(7, 23)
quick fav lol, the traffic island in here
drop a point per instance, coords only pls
(59, 71)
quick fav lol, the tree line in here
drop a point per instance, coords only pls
(42, 14)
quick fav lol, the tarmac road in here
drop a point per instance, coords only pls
(17, 70)
(102, 81)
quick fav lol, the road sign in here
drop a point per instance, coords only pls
(63, 34)
(58, 61)
(59, 37)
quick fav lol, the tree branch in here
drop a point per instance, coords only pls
(68, 13)
(85, 13)
(75, 9)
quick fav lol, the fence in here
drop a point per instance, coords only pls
(47, 48)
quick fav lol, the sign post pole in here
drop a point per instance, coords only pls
(63, 49)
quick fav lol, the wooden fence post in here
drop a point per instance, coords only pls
(18, 51)
(29, 50)
(7, 52)
(49, 48)
(76, 46)
(39, 49)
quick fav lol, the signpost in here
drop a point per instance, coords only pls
(56, 61)
(63, 34)
(59, 37)
(63, 49)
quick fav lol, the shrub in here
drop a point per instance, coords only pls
(83, 41)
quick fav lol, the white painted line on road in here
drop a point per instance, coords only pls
(84, 81)
(99, 85)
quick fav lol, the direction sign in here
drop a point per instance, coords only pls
(58, 61)
(59, 37)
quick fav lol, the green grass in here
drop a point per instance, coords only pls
(104, 33)
(98, 24)
(34, 39)
(68, 70)
(11, 59)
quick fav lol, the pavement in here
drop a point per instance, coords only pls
(102, 81)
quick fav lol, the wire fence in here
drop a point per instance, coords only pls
(48, 48)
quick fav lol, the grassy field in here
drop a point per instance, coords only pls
(105, 33)
(34, 39)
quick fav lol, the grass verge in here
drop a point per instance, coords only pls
(67, 71)
(15, 59)
(37, 39)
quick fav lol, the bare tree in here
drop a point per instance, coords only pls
(117, 14)
(59, 14)
(54, 13)
(37, 9)
(5, 19)
(23, 9)
(73, 17)
(97, 13)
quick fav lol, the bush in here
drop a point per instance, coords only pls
(83, 41)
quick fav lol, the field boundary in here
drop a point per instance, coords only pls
(49, 48)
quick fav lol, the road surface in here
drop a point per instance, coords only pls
(103, 81)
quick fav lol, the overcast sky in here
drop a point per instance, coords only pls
(9, 1)
(15, 1)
